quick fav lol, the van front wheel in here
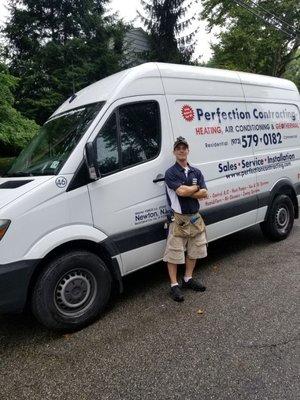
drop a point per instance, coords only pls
(71, 291)
(280, 219)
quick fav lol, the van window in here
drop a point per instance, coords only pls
(107, 147)
(51, 147)
(130, 136)
(140, 132)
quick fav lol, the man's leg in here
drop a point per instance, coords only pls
(176, 293)
(189, 267)
(188, 281)
(196, 248)
(172, 269)
(174, 253)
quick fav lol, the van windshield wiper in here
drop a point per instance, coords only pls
(17, 174)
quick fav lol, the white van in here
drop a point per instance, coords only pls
(84, 204)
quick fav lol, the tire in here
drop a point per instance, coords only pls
(71, 291)
(280, 219)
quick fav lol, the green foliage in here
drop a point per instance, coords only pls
(246, 42)
(15, 130)
(164, 22)
(57, 47)
(5, 163)
(293, 70)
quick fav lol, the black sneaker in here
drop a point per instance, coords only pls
(194, 285)
(176, 293)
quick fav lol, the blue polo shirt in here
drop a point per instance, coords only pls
(175, 176)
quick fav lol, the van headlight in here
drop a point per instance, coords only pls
(4, 224)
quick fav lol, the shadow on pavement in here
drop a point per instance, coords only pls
(217, 251)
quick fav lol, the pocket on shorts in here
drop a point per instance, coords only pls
(175, 250)
(175, 243)
(197, 246)
(181, 230)
(198, 227)
(201, 239)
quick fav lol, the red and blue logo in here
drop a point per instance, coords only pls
(187, 112)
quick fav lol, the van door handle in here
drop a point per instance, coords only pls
(159, 178)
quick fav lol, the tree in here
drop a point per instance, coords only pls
(15, 130)
(164, 22)
(58, 46)
(246, 42)
(292, 71)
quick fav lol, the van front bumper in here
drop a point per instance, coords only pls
(14, 283)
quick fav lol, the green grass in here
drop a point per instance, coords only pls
(4, 163)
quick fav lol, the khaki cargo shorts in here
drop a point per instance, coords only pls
(196, 247)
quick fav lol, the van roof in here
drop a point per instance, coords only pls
(129, 83)
(214, 74)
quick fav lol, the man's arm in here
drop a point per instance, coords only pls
(200, 194)
(187, 191)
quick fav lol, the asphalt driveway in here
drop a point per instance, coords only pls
(238, 340)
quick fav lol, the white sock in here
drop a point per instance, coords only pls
(187, 278)
(174, 284)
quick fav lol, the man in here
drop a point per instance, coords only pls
(185, 186)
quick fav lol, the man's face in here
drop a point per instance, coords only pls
(181, 152)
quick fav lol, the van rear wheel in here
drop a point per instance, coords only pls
(280, 219)
(71, 291)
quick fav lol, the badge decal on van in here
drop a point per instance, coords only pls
(61, 182)
(187, 113)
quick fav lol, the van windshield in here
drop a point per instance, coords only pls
(51, 147)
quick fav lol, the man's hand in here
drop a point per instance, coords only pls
(200, 194)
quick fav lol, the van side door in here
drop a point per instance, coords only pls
(134, 149)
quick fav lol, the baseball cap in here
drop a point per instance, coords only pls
(180, 140)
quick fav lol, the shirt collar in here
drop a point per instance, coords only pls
(180, 168)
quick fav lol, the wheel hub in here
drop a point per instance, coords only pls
(282, 218)
(75, 292)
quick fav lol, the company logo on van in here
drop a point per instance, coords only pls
(187, 112)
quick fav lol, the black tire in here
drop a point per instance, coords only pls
(280, 219)
(71, 291)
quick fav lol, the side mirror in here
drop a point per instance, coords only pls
(91, 162)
